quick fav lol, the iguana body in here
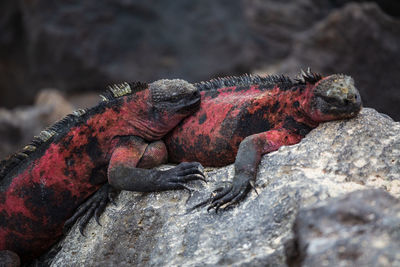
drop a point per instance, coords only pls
(41, 187)
(242, 118)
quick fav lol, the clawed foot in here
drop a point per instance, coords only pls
(177, 177)
(95, 205)
(229, 195)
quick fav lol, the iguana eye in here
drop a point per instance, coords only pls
(175, 98)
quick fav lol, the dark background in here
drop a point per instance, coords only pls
(78, 46)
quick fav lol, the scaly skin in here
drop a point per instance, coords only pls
(243, 118)
(41, 192)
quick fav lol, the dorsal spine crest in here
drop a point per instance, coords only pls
(115, 91)
(308, 77)
(244, 80)
(249, 79)
(79, 112)
(120, 89)
(45, 135)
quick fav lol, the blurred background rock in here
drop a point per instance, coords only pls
(80, 46)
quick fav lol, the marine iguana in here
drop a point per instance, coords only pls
(242, 118)
(42, 185)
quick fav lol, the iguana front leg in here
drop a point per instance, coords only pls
(127, 149)
(126, 172)
(247, 160)
(124, 175)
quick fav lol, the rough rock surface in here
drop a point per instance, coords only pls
(155, 229)
(359, 40)
(360, 229)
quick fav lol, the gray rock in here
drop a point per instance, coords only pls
(360, 229)
(359, 40)
(156, 229)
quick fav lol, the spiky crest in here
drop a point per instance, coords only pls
(307, 77)
(113, 92)
(244, 80)
(122, 89)
(44, 137)
(268, 81)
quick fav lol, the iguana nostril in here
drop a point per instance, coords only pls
(351, 98)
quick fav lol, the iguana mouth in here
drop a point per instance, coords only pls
(190, 106)
(346, 108)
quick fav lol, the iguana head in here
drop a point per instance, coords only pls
(168, 102)
(334, 97)
(177, 97)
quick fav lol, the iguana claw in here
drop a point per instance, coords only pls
(93, 206)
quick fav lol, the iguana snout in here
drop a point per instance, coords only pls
(335, 97)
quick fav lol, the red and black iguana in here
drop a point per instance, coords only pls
(43, 185)
(242, 118)
(239, 120)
